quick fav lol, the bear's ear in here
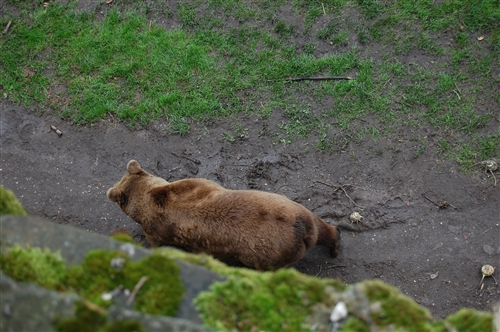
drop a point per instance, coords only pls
(160, 195)
(133, 167)
(113, 194)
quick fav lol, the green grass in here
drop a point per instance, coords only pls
(122, 64)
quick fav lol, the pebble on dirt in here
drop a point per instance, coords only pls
(488, 249)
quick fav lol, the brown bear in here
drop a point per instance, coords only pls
(257, 229)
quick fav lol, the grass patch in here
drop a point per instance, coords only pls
(221, 57)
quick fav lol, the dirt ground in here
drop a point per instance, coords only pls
(433, 255)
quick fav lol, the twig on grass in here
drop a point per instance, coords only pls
(136, 289)
(387, 82)
(330, 78)
(7, 27)
(456, 86)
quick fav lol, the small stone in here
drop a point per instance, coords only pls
(128, 248)
(6, 310)
(434, 275)
(339, 312)
(488, 249)
(107, 296)
(117, 263)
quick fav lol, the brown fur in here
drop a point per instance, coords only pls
(259, 229)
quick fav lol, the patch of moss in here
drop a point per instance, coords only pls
(9, 203)
(123, 237)
(217, 266)
(96, 276)
(161, 294)
(397, 309)
(124, 326)
(163, 291)
(87, 318)
(354, 324)
(471, 320)
(44, 268)
(204, 260)
(271, 301)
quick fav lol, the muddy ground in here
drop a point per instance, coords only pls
(404, 238)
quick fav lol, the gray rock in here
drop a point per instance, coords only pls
(27, 307)
(73, 243)
(155, 323)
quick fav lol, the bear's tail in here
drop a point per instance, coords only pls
(328, 236)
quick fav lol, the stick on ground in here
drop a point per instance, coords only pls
(136, 290)
(192, 160)
(330, 78)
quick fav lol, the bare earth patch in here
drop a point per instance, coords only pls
(407, 237)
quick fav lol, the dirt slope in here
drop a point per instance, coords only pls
(403, 238)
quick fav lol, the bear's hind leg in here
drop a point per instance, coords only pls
(328, 236)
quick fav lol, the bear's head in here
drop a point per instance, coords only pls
(132, 191)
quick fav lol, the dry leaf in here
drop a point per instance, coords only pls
(45, 4)
(434, 275)
(108, 2)
(461, 27)
(480, 38)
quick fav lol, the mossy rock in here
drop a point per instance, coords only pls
(396, 309)
(470, 320)
(34, 265)
(9, 203)
(161, 294)
(283, 299)
(270, 301)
